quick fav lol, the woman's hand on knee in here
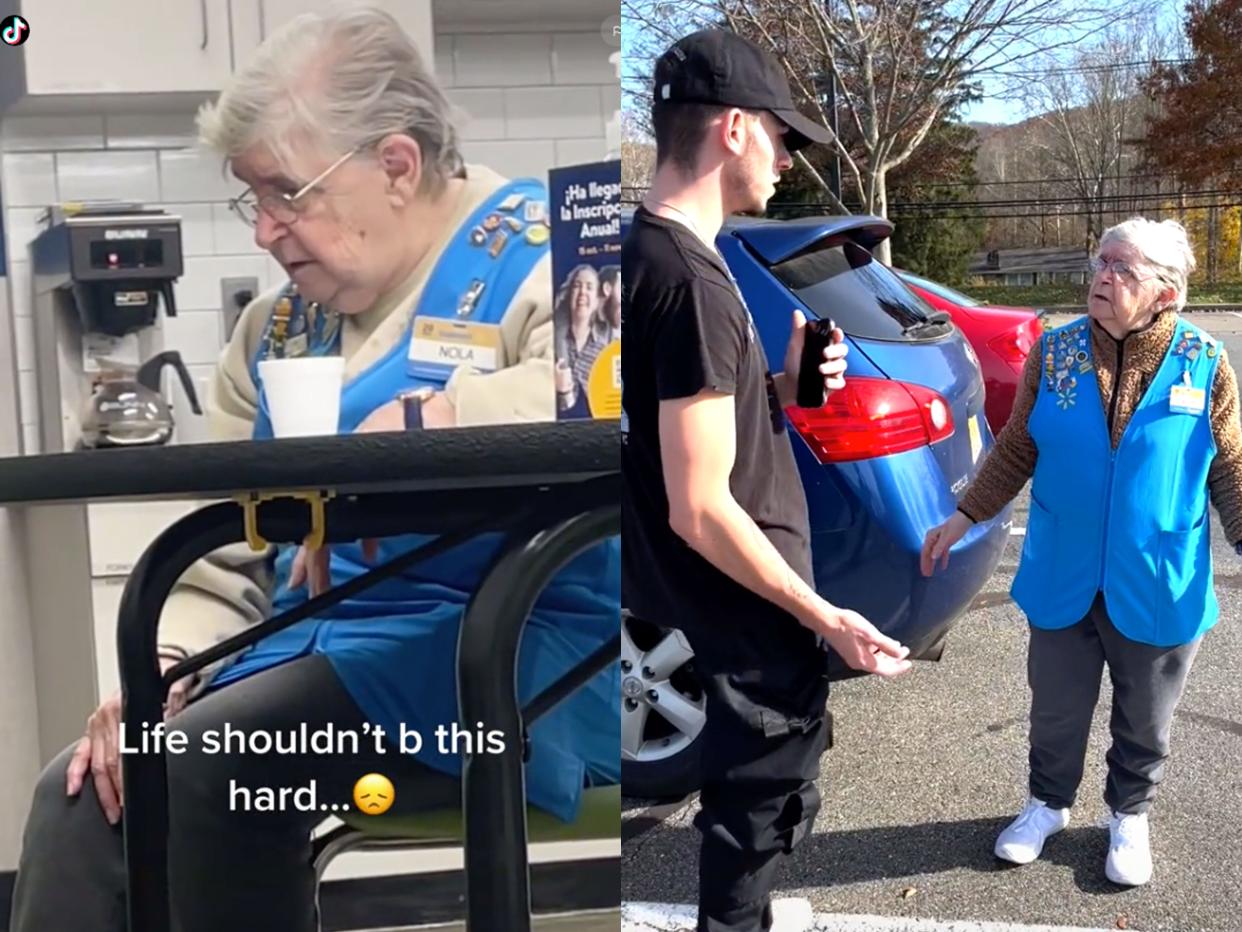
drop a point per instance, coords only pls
(98, 754)
(313, 568)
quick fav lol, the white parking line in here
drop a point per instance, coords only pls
(1235, 314)
(667, 917)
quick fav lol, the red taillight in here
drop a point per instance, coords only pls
(1013, 346)
(873, 417)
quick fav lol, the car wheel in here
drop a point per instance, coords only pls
(663, 711)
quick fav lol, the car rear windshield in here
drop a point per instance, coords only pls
(944, 291)
(837, 278)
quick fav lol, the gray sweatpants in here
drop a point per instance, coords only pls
(1064, 670)
(228, 868)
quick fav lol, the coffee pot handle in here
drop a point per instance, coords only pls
(149, 376)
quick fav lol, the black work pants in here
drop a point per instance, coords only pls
(767, 727)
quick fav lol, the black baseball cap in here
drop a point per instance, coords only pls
(716, 66)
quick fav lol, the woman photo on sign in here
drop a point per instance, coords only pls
(1127, 422)
(579, 339)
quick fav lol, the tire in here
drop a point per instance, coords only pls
(663, 710)
(672, 777)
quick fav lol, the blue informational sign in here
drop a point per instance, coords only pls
(585, 211)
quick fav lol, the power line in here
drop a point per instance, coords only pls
(1041, 181)
(1098, 69)
(1102, 200)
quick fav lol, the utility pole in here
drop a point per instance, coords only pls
(835, 165)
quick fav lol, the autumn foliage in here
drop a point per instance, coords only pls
(1196, 134)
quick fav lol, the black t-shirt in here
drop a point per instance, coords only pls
(685, 329)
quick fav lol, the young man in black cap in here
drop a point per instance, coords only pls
(715, 538)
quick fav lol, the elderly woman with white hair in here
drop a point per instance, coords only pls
(432, 279)
(1127, 422)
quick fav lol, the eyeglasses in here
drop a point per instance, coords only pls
(281, 207)
(1119, 268)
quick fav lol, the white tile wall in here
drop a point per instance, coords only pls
(23, 226)
(482, 113)
(534, 101)
(29, 397)
(232, 234)
(29, 179)
(579, 151)
(580, 58)
(84, 176)
(197, 335)
(188, 426)
(19, 290)
(198, 233)
(150, 131)
(501, 60)
(199, 288)
(53, 133)
(527, 101)
(553, 112)
(515, 159)
(24, 337)
(195, 175)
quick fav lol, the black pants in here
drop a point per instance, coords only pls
(228, 868)
(767, 727)
(1064, 669)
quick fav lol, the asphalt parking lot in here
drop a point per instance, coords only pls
(927, 769)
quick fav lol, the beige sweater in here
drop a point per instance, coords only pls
(229, 591)
(1012, 462)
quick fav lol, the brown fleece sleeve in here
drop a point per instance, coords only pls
(1225, 476)
(1012, 461)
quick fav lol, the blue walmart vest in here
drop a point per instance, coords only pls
(394, 646)
(1133, 522)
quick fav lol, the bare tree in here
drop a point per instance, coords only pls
(898, 64)
(1093, 114)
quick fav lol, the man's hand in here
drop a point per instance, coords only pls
(860, 644)
(99, 750)
(939, 540)
(833, 367)
(438, 411)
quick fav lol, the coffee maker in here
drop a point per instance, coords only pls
(100, 274)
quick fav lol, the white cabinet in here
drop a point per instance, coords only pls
(83, 55)
(127, 47)
(255, 20)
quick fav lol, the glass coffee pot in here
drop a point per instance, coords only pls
(127, 408)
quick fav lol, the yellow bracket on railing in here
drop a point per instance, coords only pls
(250, 507)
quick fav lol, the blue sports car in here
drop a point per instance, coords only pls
(882, 462)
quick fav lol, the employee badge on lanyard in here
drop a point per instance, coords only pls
(1185, 397)
(299, 328)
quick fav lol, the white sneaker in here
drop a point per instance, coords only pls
(1129, 850)
(792, 914)
(1023, 839)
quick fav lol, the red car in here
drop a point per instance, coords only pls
(1000, 336)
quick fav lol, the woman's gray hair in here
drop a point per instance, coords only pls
(335, 81)
(1164, 246)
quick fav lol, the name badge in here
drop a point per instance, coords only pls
(455, 343)
(1187, 400)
